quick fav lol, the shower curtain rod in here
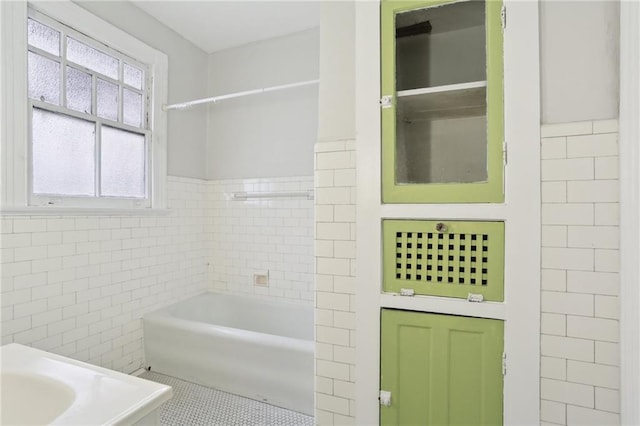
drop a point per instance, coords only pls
(215, 99)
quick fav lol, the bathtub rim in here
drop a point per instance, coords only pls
(163, 316)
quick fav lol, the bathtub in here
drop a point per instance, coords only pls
(251, 347)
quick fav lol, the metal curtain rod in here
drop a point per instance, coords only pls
(215, 99)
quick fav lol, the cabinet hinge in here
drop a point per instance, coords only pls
(503, 16)
(504, 363)
(504, 152)
(386, 101)
(385, 398)
(474, 297)
(407, 292)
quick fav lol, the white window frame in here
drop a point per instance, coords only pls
(15, 110)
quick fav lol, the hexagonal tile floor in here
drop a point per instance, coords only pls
(194, 404)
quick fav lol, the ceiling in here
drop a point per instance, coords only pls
(218, 25)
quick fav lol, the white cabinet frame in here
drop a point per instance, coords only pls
(521, 213)
(629, 212)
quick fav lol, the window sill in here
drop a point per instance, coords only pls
(69, 211)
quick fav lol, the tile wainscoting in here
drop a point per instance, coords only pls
(78, 285)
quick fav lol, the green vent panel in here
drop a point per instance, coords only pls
(444, 258)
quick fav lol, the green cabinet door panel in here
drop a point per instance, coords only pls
(396, 190)
(441, 369)
(463, 257)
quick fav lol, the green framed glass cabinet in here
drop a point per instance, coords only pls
(440, 369)
(442, 101)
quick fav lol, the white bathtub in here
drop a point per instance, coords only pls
(259, 349)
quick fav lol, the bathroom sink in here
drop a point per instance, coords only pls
(19, 390)
(39, 388)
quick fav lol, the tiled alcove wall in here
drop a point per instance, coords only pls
(78, 285)
(580, 282)
(259, 235)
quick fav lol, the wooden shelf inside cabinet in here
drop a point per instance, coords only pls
(443, 102)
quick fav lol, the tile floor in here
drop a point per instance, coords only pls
(196, 405)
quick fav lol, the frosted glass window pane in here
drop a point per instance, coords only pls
(44, 79)
(78, 90)
(122, 163)
(132, 108)
(91, 58)
(107, 100)
(63, 154)
(43, 37)
(132, 76)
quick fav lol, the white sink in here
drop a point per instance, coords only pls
(43, 388)
(19, 389)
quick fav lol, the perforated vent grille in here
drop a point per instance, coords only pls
(452, 258)
(442, 258)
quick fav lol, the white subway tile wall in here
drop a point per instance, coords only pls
(335, 242)
(580, 251)
(78, 286)
(271, 236)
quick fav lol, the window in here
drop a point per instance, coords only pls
(94, 134)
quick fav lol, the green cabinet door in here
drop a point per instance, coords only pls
(441, 369)
(442, 101)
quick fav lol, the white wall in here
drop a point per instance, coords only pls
(187, 81)
(336, 116)
(579, 60)
(267, 135)
(335, 217)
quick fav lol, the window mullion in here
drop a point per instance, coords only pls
(146, 107)
(133, 89)
(98, 141)
(43, 53)
(30, 149)
(92, 72)
(120, 91)
(98, 147)
(94, 96)
(63, 65)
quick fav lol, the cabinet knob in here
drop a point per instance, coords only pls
(441, 227)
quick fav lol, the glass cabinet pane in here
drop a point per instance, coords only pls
(441, 118)
(440, 45)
